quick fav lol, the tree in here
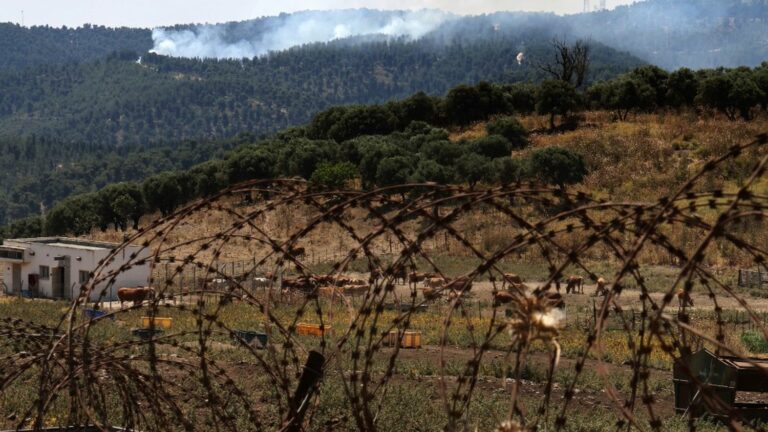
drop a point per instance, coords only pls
(466, 104)
(714, 93)
(624, 95)
(76, 216)
(522, 98)
(358, 121)
(334, 175)
(556, 98)
(656, 78)
(119, 203)
(511, 129)
(761, 79)
(732, 93)
(473, 168)
(419, 107)
(394, 171)
(250, 162)
(558, 166)
(682, 87)
(507, 170)
(745, 94)
(431, 171)
(491, 146)
(166, 191)
(571, 63)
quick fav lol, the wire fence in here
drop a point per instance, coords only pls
(344, 342)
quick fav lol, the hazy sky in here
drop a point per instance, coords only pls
(152, 13)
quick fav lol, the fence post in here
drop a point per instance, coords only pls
(741, 282)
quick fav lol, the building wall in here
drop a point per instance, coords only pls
(88, 261)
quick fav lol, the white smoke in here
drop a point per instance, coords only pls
(280, 33)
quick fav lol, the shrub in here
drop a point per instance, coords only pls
(492, 146)
(558, 166)
(754, 341)
(334, 175)
(511, 129)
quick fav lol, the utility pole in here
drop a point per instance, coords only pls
(22, 18)
(602, 5)
(586, 6)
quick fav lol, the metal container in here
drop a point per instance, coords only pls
(160, 322)
(249, 336)
(706, 383)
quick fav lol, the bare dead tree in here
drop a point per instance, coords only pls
(569, 62)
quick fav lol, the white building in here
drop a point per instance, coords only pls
(56, 267)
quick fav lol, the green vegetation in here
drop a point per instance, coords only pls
(25, 47)
(385, 144)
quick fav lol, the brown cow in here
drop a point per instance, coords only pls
(400, 274)
(414, 278)
(575, 285)
(355, 290)
(297, 251)
(503, 297)
(435, 282)
(462, 283)
(684, 299)
(602, 288)
(136, 295)
(303, 284)
(431, 294)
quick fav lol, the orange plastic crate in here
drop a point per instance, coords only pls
(411, 339)
(160, 322)
(304, 329)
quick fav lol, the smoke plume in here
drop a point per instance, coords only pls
(258, 37)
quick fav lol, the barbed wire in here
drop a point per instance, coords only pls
(177, 379)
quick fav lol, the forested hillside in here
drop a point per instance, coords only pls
(36, 172)
(425, 138)
(120, 101)
(24, 47)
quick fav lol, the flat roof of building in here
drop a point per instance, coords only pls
(67, 242)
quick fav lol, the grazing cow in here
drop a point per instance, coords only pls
(400, 274)
(431, 294)
(602, 288)
(503, 297)
(462, 283)
(297, 251)
(135, 295)
(355, 290)
(303, 284)
(684, 299)
(356, 282)
(435, 282)
(325, 280)
(457, 296)
(415, 277)
(575, 285)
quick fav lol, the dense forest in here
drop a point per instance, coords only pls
(25, 47)
(74, 128)
(36, 172)
(408, 141)
(121, 101)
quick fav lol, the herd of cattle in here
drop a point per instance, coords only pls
(435, 287)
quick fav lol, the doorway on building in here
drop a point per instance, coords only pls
(57, 282)
(15, 286)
